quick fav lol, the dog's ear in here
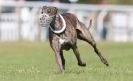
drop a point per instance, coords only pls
(43, 8)
(90, 24)
(55, 9)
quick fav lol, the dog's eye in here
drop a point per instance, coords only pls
(48, 11)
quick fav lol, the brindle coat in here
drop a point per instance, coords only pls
(74, 30)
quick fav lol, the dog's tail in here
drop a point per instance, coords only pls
(90, 24)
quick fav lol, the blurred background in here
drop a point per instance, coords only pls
(111, 19)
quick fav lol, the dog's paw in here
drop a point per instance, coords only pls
(105, 62)
(82, 64)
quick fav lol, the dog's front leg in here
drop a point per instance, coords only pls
(63, 59)
(57, 50)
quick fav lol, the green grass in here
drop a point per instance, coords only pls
(33, 61)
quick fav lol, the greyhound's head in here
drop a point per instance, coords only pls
(46, 16)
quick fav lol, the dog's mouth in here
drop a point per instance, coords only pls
(45, 20)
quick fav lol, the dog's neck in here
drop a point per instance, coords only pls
(56, 23)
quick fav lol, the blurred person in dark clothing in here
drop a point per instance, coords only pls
(42, 0)
(64, 1)
(36, 0)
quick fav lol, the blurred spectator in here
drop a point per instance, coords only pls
(36, 0)
(28, 0)
(105, 26)
(42, 0)
(105, 22)
(64, 1)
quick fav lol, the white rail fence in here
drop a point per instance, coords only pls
(8, 27)
(110, 22)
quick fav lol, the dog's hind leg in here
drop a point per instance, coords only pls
(58, 54)
(93, 44)
(85, 35)
(77, 54)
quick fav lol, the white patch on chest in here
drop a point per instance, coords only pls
(61, 41)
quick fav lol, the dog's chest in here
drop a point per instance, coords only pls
(62, 41)
(65, 42)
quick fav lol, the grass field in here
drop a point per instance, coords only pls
(25, 61)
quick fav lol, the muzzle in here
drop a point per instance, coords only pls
(45, 20)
